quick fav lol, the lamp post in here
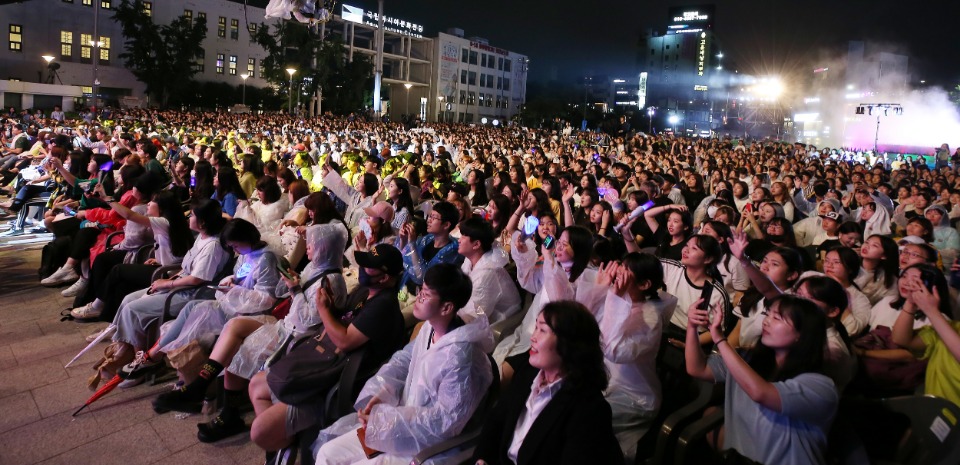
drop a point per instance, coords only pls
(48, 59)
(244, 77)
(291, 72)
(95, 43)
(440, 108)
(408, 86)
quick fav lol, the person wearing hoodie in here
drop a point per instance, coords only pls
(945, 237)
(428, 391)
(807, 230)
(494, 293)
(875, 221)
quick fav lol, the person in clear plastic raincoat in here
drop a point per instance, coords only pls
(248, 291)
(428, 391)
(493, 290)
(246, 342)
(629, 304)
(554, 278)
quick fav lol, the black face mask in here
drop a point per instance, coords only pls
(778, 238)
(364, 279)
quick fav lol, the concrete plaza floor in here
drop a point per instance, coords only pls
(38, 396)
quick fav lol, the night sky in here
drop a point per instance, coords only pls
(569, 38)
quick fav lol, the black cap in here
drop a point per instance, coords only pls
(382, 257)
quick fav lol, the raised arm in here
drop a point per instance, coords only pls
(761, 281)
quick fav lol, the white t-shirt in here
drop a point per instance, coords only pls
(675, 278)
(883, 314)
(161, 233)
(206, 259)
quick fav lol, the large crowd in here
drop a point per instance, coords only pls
(530, 279)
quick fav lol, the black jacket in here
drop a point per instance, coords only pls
(574, 428)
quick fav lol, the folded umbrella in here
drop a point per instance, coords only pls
(104, 390)
(106, 331)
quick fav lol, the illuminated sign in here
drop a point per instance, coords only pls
(372, 18)
(702, 53)
(489, 48)
(642, 95)
(806, 117)
(700, 88)
(690, 19)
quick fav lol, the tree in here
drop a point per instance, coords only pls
(343, 83)
(163, 57)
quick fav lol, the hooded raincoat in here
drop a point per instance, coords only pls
(807, 229)
(879, 223)
(428, 392)
(255, 278)
(550, 283)
(494, 293)
(945, 238)
(327, 242)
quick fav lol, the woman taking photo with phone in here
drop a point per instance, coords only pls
(778, 407)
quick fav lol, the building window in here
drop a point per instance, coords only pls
(500, 64)
(87, 2)
(463, 76)
(201, 16)
(483, 60)
(471, 98)
(67, 1)
(16, 38)
(489, 100)
(507, 64)
(148, 8)
(483, 80)
(251, 66)
(233, 65)
(198, 61)
(506, 83)
(105, 4)
(472, 78)
(252, 29)
(463, 97)
(105, 49)
(66, 44)
(473, 58)
(188, 14)
(499, 83)
(222, 27)
(86, 51)
(235, 29)
(464, 55)
(219, 63)
(263, 70)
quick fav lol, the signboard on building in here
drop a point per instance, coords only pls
(690, 19)
(642, 94)
(371, 18)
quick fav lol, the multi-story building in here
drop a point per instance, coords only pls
(474, 81)
(420, 75)
(64, 34)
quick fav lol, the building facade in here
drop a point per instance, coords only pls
(66, 29)
(474, 82)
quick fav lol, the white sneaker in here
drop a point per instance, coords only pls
(75, 288)
(129, 383)
(65, 274)
(86, 312)
(138, 367)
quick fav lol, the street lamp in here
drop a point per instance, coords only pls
(244, 78)
(291, 72)
(673, 120)
(408, 86)
(650, 112)
(48, 59)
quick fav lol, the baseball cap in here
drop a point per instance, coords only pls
(911, 240)
(831, 215)
(382, 257)
(382, 210)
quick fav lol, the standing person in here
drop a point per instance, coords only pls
(778, 407)
(553, 411)
(428, 391)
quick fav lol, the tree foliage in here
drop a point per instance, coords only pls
(344, 84)
(160, 56)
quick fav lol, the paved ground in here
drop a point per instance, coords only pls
(38, 396)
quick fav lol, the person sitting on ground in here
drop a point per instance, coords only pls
(553, 411)
(428, 391)
(371, 320)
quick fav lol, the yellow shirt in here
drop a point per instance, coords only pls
(533, 182)
(943, 370)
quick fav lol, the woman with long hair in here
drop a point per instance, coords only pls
(783, 266)
(202, 181)
(398, 193)
(879, 268)
(563, 268)
(734, 278)
(496, 213)
(565, 376)
(686, 278)
(631, 307)
(228, 193)
(679, 226)
(778, 407)
(843, 265)
(477, 185)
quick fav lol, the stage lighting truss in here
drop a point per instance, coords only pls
(881, 109)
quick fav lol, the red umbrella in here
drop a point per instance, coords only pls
(104, 390)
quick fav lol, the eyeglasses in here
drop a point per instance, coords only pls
(434, 218)
(913, 254)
